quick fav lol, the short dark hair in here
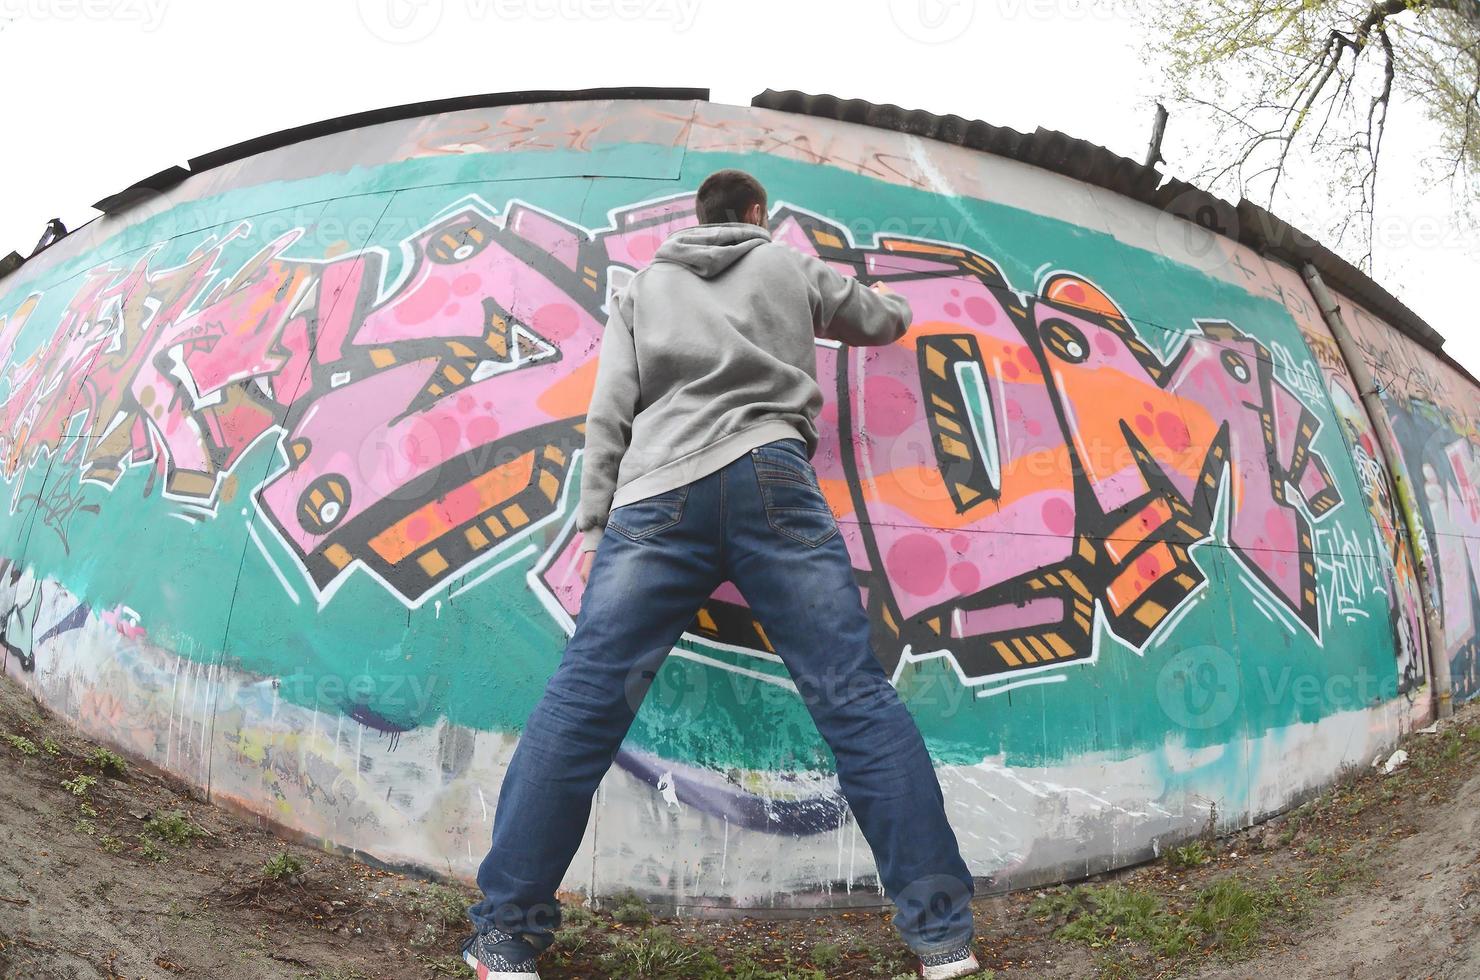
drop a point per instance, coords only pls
(726, 195)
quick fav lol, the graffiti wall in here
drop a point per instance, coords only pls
(1390, 570)
(1435, 416)
(290, 459)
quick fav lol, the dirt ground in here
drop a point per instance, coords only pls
(110, 870)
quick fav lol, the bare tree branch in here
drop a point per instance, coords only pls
(1311, 86)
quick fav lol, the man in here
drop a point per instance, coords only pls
(697, 471)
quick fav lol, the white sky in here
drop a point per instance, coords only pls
(101, 93)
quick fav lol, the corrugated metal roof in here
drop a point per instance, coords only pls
(170, 176)
(436, 107)
(1090, 163)
(149, 186)
(261, 144)
(1044, 148)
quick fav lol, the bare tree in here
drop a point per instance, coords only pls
(1300, 90)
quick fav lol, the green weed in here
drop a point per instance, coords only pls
(283, 867)
(172, 828)
(108, 761)
(79, 785)
(1190, 855)
(444, 906)
(630, 910)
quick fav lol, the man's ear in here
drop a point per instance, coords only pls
(756, 215)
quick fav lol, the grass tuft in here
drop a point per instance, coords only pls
(283, 867)
(108, 762)
(655, 955)
(1230, 915)
(444, 907)
(630, 910)
(172, 828)
(79, 785)
(1191, 855)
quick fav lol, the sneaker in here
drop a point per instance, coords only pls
(495, 955)
(959, 962)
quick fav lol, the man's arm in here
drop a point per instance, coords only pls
(850, 312)
(608, 426)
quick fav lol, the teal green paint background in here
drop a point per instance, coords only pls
(481, 659)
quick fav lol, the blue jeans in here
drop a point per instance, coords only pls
(762, 523)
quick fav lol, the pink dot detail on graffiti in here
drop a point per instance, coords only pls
(1143, 425)
(1010, 370)
(955, 292)
(1280, 529)
(643, 247)
(1173, 431)
(965, 577)
(1034, 427)
(465, 403)
(888, 406)
(1028, 361)
(556, 321)
(483, 430)
(423, 302)
(960, 542)
(466, 284)
(1147, 566)
(981, 311)
(416, 528)
(1148, 407)
(1058, 516)
(449, 434)
(1106, 343)
(952, 310)
(450, 310)
(917, 564)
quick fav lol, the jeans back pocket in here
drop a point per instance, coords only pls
(792, 497)
(646, 517)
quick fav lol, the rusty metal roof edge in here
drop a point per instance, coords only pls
(1091, 163)
(372, 117)
(172, 175)
(1047, 149)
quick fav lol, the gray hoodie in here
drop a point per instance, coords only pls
(708, 353)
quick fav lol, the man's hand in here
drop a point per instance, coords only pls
(587, 557)
(882, 289)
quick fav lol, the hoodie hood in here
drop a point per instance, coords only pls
(708, 250)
